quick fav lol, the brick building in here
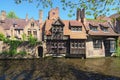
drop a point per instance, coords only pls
(15, 28)
(78, 38)
(70, 38)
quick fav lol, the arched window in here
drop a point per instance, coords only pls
(32, 24)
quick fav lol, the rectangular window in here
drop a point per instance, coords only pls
(93, 28)
(32, 24)
(83, 45)
(76, 28)
(112, 46)
(72, 45)
(80, 28)
(63, 45)
(35, 33)
(76, 45)
(97, 43)
(18, 31)
(105, 29)
(79, 45)
(29, 32)
(52, 45)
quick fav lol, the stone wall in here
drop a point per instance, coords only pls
(93, 53)
(1, 45)
(32, 51)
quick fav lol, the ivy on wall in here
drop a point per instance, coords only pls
(118, 48)
(14, 44)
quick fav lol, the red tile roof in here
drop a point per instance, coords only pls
(75, 23)
(100, 32)
(67, 31)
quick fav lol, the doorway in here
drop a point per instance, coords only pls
(40, 51)
(109, 47)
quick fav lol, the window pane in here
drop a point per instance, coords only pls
(97, 43)
(112, 46)
(29, 32)
(35, 33)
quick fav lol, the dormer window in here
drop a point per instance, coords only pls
(32, 24)
(93, 28)
(14, 25)
(103, 28)
(76, 28)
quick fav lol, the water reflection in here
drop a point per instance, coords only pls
(108, 66)
(57, 69)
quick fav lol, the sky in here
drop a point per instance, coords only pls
(33, 12)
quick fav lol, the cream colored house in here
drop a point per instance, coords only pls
(16, 28)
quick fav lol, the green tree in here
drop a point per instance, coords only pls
(32, 40)
(118, 48)
(2, 37)
(12, 14)
(93, 7)
(24, 37)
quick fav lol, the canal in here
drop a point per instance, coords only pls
(60, 69)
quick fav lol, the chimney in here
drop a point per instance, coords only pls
(53, 13)
(40, 16)
(81, 15)
(26, 17)
(78, 15)
(3, 15)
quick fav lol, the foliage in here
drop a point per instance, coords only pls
(23, 36)
(5, 52)
(32, 40)
(96, 20)
(113, 20)
(118, 48)
(2, 37)
(12, 14)
(93, 7)
(13, 46)
(23, 53)
(118, 18)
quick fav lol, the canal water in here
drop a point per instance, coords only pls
(60, 69)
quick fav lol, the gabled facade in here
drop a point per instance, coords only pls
(64, 37)
(16, 28)
(101, 40)
(70, 38)
(78, 38)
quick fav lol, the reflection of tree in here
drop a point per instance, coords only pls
(51, 69)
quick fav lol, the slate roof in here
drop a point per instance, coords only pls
(100, 32)
(21, 23)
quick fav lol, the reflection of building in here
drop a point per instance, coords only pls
(80, 37)
(16, 28)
